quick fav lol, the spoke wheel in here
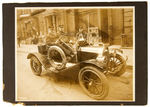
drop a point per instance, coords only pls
(35, 66)
(114, 63)
(93, 82)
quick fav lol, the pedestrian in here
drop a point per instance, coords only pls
(34, 34)
(18, 40)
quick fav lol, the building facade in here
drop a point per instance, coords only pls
(115, 25)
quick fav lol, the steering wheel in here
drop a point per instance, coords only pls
(59, 39)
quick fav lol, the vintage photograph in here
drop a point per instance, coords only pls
(75, 53)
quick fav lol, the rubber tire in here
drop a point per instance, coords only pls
(33, 58)
(64, 59)
(123, 69)
(103, 78)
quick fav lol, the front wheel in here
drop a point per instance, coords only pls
(93, 82)
(117, 65)
(35, 65)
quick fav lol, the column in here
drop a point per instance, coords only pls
(65, 20)
(99, 24)
(110, 25)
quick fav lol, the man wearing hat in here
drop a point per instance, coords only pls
(60, 30)
(62, 34)
(81, 36)
(51, 37)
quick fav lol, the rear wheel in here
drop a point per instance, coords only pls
(35, 65)
(93, 82)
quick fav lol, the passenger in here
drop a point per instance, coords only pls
(81, 37)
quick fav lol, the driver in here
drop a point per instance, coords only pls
(52, 36)
(62, 34)
(63, 41)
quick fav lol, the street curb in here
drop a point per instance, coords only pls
(129, 67)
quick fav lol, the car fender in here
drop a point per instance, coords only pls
(93, 62)
(42, 58)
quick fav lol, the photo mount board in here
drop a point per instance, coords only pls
(140, 52)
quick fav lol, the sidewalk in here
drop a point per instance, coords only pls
(126, 51)
(27, 48)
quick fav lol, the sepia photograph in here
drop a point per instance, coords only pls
(75, 53)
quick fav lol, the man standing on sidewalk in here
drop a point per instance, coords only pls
(18, 41)
(34, 35)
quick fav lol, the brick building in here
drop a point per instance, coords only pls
(115, 25)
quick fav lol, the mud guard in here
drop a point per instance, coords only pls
(93, 62)
(42, 58)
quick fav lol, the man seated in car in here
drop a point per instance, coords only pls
(52, 36)
(81, 37)
(62, 34)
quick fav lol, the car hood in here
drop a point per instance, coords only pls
(98, 50)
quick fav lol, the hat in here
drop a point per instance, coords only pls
(51, 27)
(61, 26)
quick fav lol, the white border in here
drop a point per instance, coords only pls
(104, 7)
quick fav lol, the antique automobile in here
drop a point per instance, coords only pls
(93, 66)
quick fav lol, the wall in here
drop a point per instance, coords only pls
(117, 26)
(128, 26)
